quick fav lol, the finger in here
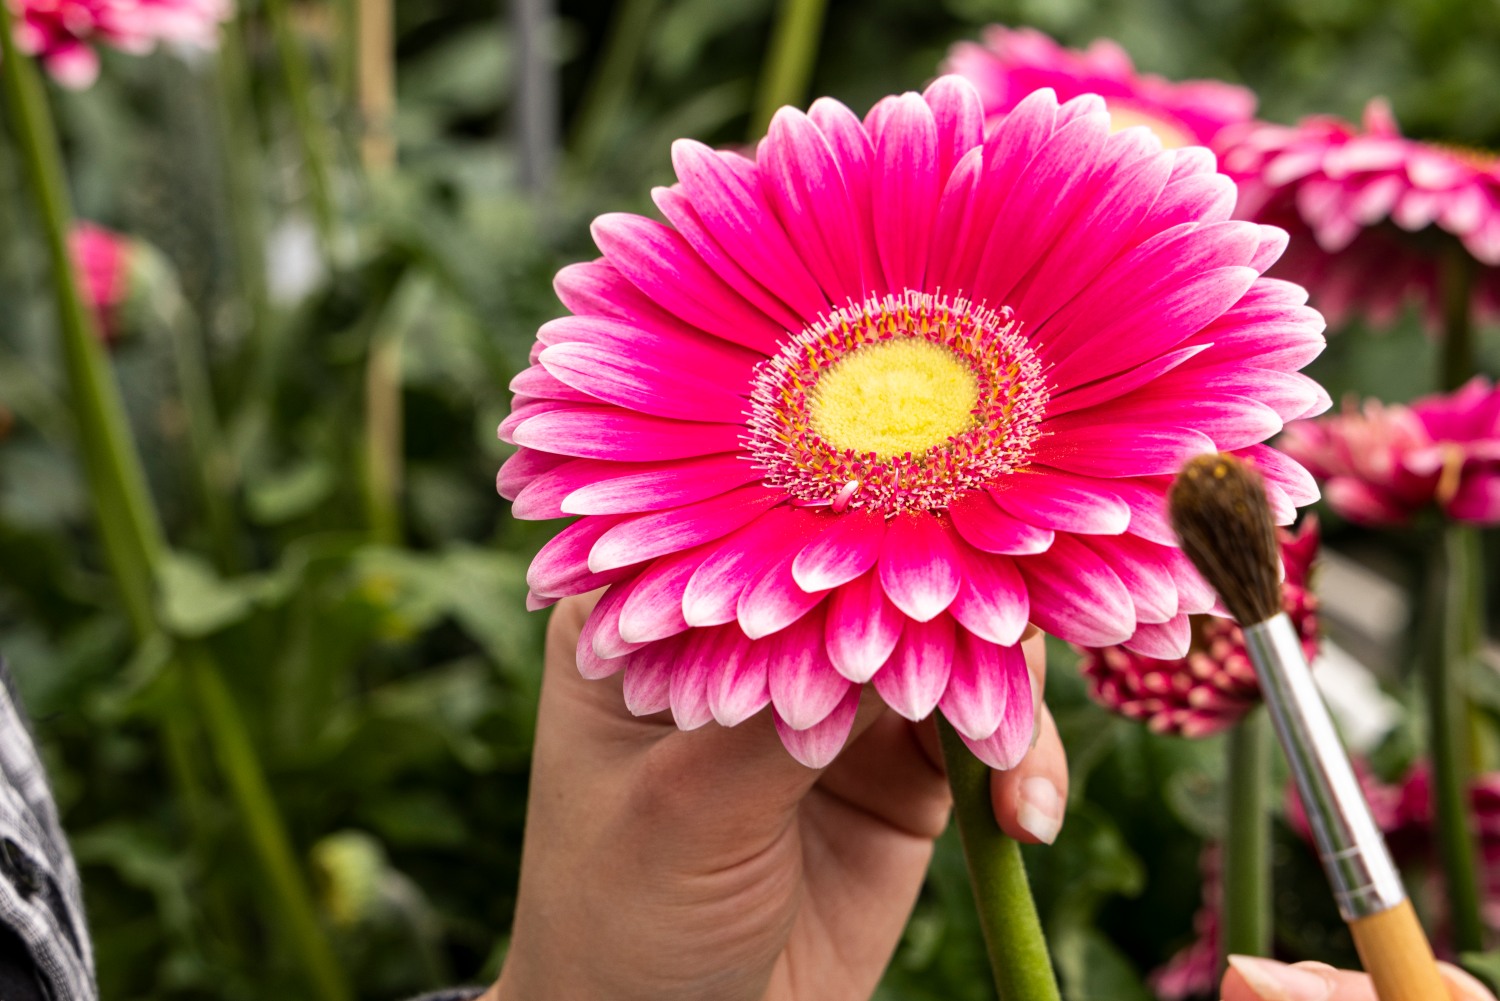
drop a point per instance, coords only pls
(1031, 798)
(1250, 979)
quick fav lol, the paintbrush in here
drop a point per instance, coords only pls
(1223, 519)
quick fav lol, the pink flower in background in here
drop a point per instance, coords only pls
(1193, 971)
(1369, 210)
(1012, 62)
(1214, 685)
(878, 398)
(1404, 812)
(1383, 463)
(63, 33)
(102, 259)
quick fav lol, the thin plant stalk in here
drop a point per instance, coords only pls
(536, 105)
(1457, 603)
(240, 157)
(383, 438)
(312, 135)
(1458, 351)
(788, 68)
(237, 760)
(377, 86)
(1247, 837)
(128, 521)
(1013, 937)
(212, 466)
(609, 89)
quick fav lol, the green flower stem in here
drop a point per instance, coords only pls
(317, 145)
(240, 155)
(1013, 936)
(377, 86)
(1456, 610)
(252, 795)
(788, 69)
(1247, 836)
(212, 465)
(1459, 362)
(128, 523)
(603, 102)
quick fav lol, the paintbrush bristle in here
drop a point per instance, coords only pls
(1223, 519)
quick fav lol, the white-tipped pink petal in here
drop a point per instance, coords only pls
(1076, 596)
(846, 547)
(914, 678)
(650, 535)
(974, 701)
(819, 744)
(805, 688)
(919, 565)
(1061, 502)
(1011, 741)
(648, 678)
(1167, 640)
(738, 687)
(992, 601)
(862, 628)
(984, 526)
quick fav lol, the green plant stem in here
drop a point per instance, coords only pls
(128, 524)
(603, 102)
(257, 807)
(1458, 351)
(240, 156)
(212, 466)
(1456, 610)
(1247, 836)
(313, 136)
(788, 69)
(1013, 936)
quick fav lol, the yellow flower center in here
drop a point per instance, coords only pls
(1123, 116)
(894, 397)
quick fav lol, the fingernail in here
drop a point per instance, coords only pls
(1041, 813)
(1273, 981)
(1470, 988)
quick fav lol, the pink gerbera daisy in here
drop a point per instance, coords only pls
(1012, 62)
(101, 257)
(1214, 686)
(1382, 464)
(1369, 210)
(882, 395)
(63, 33)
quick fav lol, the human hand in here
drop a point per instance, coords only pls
(1267, 980)
(664, 864)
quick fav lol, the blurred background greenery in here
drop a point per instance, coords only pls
(382, 657)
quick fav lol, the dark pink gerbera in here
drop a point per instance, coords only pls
(1214, 686)
(1012, 62)
(63, 33)
(1382, 464)
(1369, 210)
(101, 257)
(872, 401)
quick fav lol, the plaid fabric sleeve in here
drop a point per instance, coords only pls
(40, 897)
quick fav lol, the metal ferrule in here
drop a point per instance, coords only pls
(1365, 880)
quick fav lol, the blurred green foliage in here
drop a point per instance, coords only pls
(390, 688)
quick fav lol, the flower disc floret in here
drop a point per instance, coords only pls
(900, 403)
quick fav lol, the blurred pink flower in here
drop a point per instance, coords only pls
(808, 426)
(1404, 812)
(63, 33)
(1215, 684)
(1362, 204)
(1383, 463)
(1193, 972)
(1012, 62)
(102, 258)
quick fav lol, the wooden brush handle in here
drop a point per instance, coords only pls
(1396, 955)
